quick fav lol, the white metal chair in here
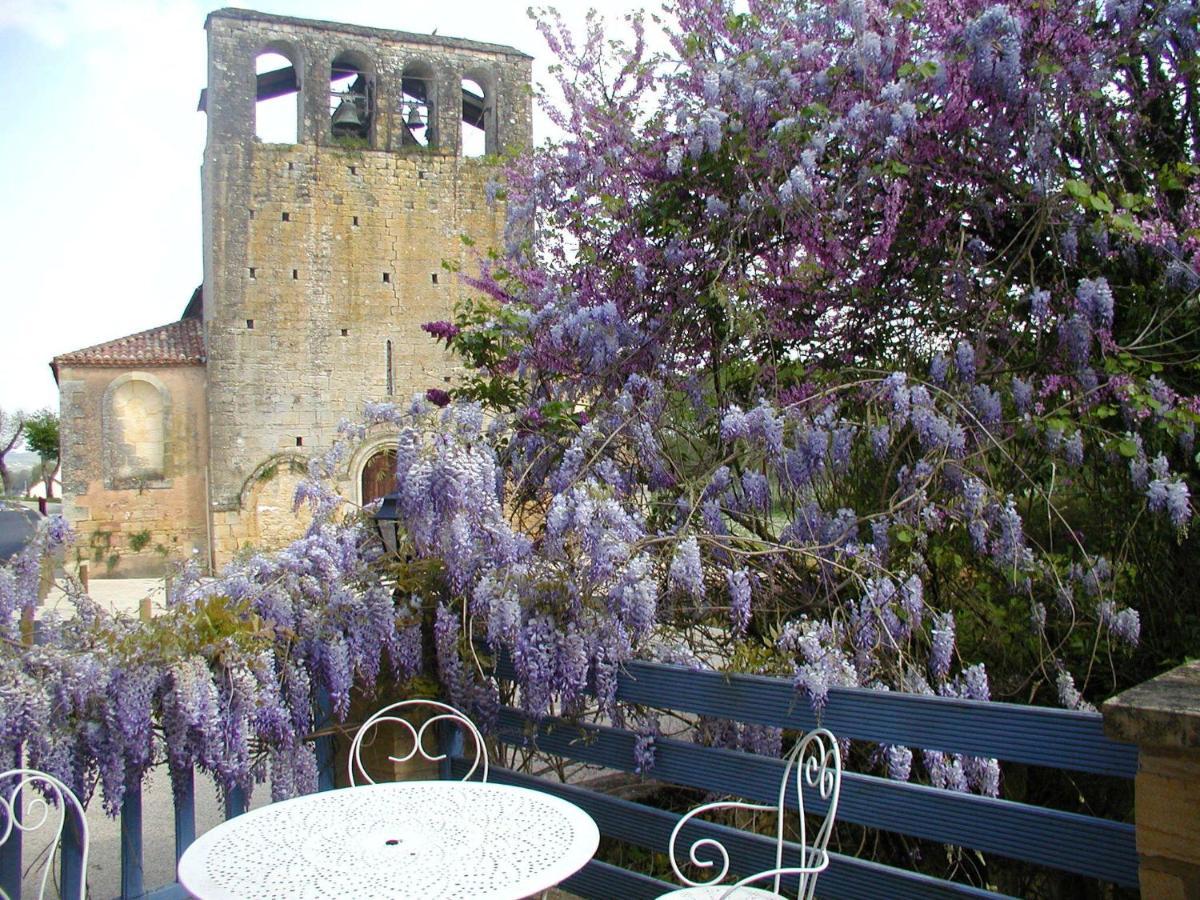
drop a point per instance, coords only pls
(38, 811)
(394, 715)
(817, 763)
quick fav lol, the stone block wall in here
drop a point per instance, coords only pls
(133, 474)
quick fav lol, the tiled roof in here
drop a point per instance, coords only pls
(179, 343)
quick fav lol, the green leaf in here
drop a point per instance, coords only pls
(1131, 201)
(1124, 223)
(1078, 189)
(1101, 203)
(1127, 448)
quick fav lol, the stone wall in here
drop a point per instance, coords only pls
(322, 261)
(134, 446)
(1162, 716)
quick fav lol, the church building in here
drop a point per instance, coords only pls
(322, 259)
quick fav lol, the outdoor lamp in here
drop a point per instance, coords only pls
(385, 521)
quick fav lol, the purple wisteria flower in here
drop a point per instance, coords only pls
(1022, 394)
(734, 425)
(899, 762)
(685, 574)
(881, 439)
(1075, 339)
(1039, 305)
(738, 583)
(1094, 299)
(442, 330)
(964, 361)
(938, 367)
(1173, 498)
(1125, 625)
(993, 44)
(987, 404)
(1073, 449)
(1068, 695)
(941, 646)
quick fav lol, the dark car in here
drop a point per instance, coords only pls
(17, 525)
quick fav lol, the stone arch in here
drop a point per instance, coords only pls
(419, 93)
(353, 105)
(266, 500)
(135, 426)
(369, 450)
(480, 113)
(273, 85)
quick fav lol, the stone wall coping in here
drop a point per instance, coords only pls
(407, 37)
(1162, 712)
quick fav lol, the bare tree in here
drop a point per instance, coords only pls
(12, 426)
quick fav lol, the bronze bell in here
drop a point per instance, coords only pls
(346, 119)
(414, 122)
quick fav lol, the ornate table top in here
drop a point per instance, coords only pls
(427, 839)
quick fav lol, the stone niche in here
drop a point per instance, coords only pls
(136, 424)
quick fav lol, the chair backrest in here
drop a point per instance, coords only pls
(22, 811)
(816, 761)
(397, 714)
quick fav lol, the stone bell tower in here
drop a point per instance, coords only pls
(323, 257)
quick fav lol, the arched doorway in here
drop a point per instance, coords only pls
(378, 476)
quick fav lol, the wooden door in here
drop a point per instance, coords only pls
(379, 476)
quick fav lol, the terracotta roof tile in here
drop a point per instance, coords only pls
(179, 343)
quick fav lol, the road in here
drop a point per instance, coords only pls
(17, 525)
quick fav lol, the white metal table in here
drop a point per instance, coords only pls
(427, 839)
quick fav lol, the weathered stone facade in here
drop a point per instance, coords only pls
(323, 258)
(134, 444)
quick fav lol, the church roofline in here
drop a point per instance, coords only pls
(408, 37)
(178, 343)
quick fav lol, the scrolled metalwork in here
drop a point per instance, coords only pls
(394, 715)
(816, 761)
(37, 811)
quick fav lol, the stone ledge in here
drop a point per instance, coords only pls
(1161, 712)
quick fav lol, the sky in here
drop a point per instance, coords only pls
(100, 152)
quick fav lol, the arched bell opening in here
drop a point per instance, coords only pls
(476, 117)
(352, 100)
(418, 106)
(277, 96)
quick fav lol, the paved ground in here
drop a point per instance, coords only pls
(114, 594)
(158, 833)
